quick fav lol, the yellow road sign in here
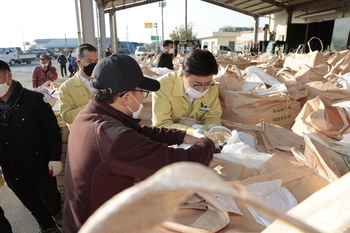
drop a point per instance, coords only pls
(148, 25)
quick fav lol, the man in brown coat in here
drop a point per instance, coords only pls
(108, 149)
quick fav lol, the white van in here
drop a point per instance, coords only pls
(223, 49)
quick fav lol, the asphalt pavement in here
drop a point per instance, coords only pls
(23, 72)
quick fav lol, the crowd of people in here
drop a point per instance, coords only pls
(108, 150)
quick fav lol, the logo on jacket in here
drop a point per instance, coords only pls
(204, 106)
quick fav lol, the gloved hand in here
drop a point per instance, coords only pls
(198, 133)
(55, 167)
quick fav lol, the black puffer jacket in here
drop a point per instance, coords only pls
(29, 135)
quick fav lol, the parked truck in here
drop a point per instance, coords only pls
(15, 55)
(141, 52)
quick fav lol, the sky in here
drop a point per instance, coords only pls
(27, 20)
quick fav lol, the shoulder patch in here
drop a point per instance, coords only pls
(113, 127)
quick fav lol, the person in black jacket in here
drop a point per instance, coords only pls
(166, 59)
(63, 61)
(31, 146)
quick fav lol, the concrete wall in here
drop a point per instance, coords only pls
(214, 39)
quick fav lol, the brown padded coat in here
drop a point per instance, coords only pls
(107, 150)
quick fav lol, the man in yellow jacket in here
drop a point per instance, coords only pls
(75, 93)
(189, 93)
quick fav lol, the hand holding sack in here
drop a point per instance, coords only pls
(55, 167)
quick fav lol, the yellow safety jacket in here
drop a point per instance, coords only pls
(171, 102)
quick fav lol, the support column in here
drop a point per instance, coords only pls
(77, 15)
(102, 22)
(113, 29)
(87, 17)
(256, 29)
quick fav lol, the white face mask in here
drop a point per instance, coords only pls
(171, 51)
(43, 65)
(193, 93)
(4, 88)
(136, 114)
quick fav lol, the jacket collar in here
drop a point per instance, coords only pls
(178, 89)
(105, 109)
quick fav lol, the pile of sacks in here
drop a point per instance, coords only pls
(267, 179)
(283, 169)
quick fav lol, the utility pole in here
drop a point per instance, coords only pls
(127, 36)
(65, 40)
(162, 4)
(185, 19)
(156, 26)
(24, 43)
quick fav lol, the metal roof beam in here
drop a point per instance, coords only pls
(130, 5)
(279, 4)
(316, 4)
(231, 8)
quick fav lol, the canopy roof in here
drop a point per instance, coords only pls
(254, 8)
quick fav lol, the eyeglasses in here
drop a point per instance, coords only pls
(198, 87)
(144, 93)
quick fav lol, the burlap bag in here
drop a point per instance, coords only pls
(147, 206)
(250, 108)
(233, 59)
(318, 160)
(270, 138)
(301, 181)
(326, 210)
(318, 115)
(337, 56)
(331, 90)
(294, 61)
(325, 125)
(340, 68)
(229, 78)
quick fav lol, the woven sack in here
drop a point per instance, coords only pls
(229, 78)
(325, 125)
(318, 115)
(340, 68)
(293, 61)
(148, 205)
(275, 108)
(269, 138)
(331, 90)
(326, 210)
